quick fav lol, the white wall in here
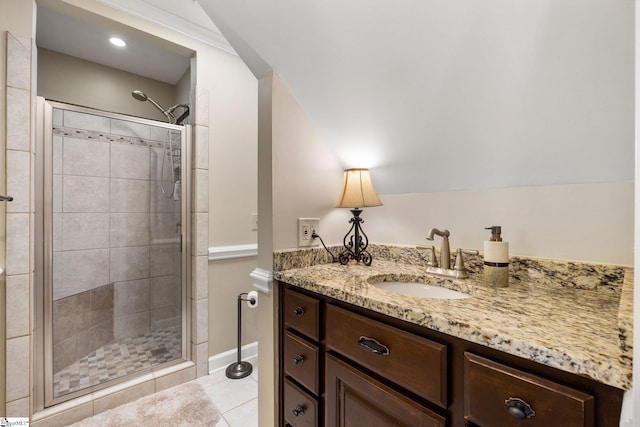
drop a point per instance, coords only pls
(587, 222)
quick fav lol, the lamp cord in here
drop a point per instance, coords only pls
(317, 236)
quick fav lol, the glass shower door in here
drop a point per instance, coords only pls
(116, 261)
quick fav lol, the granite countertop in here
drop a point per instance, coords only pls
(576, 317)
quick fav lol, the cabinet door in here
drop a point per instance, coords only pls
(354, 399)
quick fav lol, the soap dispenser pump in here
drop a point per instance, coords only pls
(496, 259)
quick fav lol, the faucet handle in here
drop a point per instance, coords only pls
(431, 261)
(459, 264)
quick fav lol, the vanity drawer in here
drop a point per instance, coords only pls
(416, 363)
(300, 409)
(490, 388)
(301, 361)
(302, 313)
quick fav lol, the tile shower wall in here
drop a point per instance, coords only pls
(83, 323)
(116, 227)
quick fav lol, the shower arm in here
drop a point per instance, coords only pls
(167, 113)
(184, 114)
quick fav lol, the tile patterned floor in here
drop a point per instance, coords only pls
(118, 359)
(236, 399)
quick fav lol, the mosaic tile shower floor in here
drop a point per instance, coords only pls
(118, 359)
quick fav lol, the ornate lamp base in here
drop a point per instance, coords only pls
(355, 245)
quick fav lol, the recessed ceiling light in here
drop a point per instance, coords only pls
(117, 42)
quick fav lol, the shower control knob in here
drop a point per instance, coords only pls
(298, 311)
(298, 410)
(297, 360)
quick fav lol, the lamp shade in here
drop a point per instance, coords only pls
(357, 190)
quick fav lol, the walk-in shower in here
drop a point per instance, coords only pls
(115, 261)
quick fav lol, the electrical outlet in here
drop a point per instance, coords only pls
(306, 228)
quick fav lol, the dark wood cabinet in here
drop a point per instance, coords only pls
(300, 408)
(345, 366)
(418, 364)
(354, 399)
(499, 395)
(300, 361)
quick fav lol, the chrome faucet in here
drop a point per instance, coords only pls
(458, 270)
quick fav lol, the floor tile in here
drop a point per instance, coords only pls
(212, 378)
(245, 415)
(230, 394)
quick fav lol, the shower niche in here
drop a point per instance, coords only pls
(115, 214)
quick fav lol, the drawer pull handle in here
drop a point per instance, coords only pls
(373, 346)
(297, 360)
(298, 410)
(519, 408)
(298, 311)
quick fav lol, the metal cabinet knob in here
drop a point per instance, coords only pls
(298, 311)
(297, 360)
(298, 410)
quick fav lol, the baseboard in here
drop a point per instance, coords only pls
(220, 361)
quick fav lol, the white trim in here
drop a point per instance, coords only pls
(262, 280)
(148, 11)
(231, 252)
(220, 361)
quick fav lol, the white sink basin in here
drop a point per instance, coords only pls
(416, 289)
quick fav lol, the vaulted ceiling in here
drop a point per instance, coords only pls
(440, 95)
(433, 95)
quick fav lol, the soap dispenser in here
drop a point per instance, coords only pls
(496, 259)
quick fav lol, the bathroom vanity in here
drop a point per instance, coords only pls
(550, 350)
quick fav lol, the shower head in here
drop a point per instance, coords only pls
(141, 96)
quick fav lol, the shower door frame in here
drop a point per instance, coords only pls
(43, 295)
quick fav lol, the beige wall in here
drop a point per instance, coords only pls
(75, 81)
(267, 309)
(232, 194)
(182, 94)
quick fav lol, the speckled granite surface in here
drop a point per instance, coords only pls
(573, 316)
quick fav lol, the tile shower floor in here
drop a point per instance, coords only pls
(118, 359)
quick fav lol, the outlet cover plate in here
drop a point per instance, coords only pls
(306, 227)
